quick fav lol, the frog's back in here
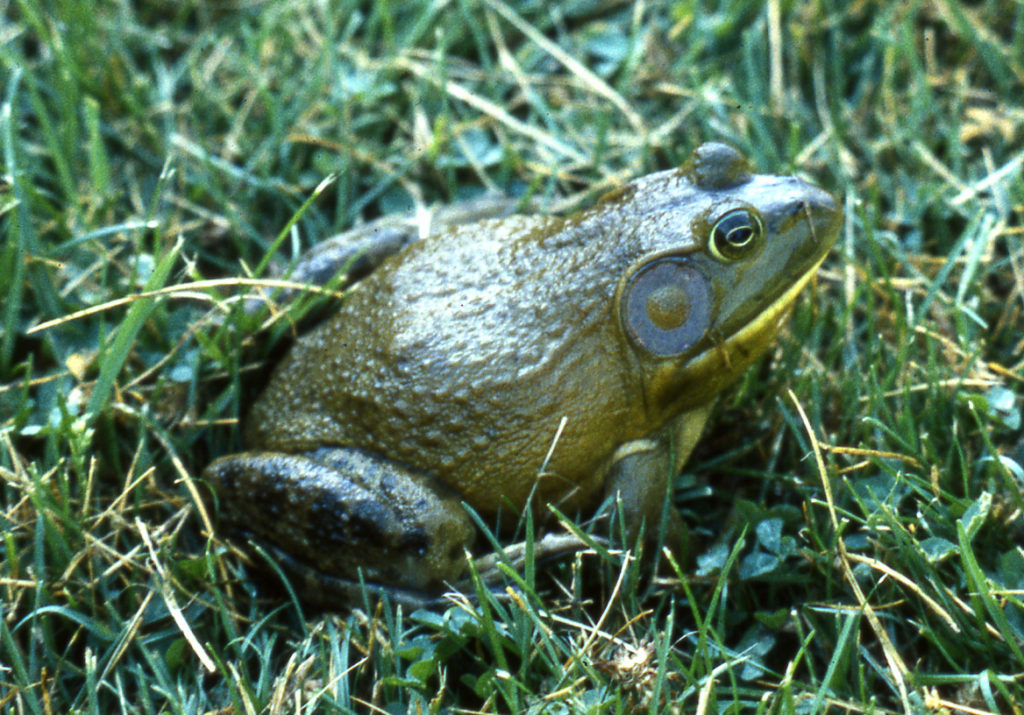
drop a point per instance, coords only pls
(461, 356)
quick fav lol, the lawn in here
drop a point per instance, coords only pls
(855, 507)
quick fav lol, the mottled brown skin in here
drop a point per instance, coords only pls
(445, 374)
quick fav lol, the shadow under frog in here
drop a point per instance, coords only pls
(449, 369)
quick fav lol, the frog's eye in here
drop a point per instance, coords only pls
(667, 306)
(736, 235)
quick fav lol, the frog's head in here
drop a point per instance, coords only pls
(724, 253)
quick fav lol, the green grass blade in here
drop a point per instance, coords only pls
(116, 353)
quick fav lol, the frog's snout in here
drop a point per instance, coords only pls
(823, 212)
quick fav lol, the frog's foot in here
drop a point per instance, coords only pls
(346, 514)
(328, 591)
(514, 555)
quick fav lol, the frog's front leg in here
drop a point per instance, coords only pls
(339, 511)
(640, 473)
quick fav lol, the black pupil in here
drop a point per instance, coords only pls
(735, 233)
(740, 235)
(736, 229)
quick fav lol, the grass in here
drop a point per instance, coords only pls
(855, 507)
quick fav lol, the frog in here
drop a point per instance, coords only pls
(521, 361)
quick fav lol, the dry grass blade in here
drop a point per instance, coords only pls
(897, 667)
(589, 79)
(171, 602)
(493, 110)
(190, 291)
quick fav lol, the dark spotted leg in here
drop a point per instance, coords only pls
(336, 514)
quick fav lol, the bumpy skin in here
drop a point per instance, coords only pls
(452, 366)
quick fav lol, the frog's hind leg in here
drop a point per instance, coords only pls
(348, 257)
(360, 250)
(346, 514)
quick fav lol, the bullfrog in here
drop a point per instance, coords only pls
(528, 359)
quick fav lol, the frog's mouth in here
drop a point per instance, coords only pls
(754, 336)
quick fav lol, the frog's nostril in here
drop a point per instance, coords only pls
(819, 200)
